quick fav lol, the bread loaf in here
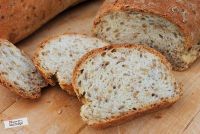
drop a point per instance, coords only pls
(18, 73)
(172, 27)
(20, 18)
(57, 57)
(118, 83)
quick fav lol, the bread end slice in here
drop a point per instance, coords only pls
(18, 73)
(123, 82)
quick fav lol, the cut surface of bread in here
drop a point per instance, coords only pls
(118, 83)
(57, 57)
(139, 27)
(18, 73)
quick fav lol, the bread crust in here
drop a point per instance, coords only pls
(34, 95)
(19, 19)
(187, 19)
(49, 77)
(132, 114)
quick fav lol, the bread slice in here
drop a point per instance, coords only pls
(169, 27)
(56, 57)
(118, 83)
(18, 73)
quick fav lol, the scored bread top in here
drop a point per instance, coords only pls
(56, 57)
(18, 73)
(185, 14)
(121, 81)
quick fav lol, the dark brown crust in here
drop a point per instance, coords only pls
(50, 78)
(34, 95)
(132, 114)
(189, 27)
(18, 19)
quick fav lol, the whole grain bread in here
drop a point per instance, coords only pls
(20, 18)
(57, 56)
(171, 27)
(120, 82)
(18, 73)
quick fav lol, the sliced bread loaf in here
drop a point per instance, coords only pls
(18, 73)
(170, 27)
(57, 57)
(118, 83)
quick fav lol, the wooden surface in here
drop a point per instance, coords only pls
(58, 113)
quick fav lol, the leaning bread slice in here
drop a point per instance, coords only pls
(18, 73)
(118, 83)
(56, 57)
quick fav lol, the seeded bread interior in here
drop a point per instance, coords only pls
(118, 83)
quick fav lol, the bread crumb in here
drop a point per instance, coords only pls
(60, 111)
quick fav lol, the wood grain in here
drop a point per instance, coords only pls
(58, 113)
(7, 98)
(193, 126)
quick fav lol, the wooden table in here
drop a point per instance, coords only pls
(58, 113)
